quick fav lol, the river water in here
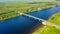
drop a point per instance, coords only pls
(21, 24)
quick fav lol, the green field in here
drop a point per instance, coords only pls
(55, 18)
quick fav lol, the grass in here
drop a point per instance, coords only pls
(55, 18)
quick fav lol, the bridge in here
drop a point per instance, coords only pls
(44, 22)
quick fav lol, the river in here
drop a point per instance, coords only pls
(21, 24)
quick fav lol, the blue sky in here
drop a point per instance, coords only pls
(28, 0)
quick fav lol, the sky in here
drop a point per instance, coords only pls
(29, 0)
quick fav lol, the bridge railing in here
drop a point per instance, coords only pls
(44, 22)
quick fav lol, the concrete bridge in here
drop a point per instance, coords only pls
(44, 22)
